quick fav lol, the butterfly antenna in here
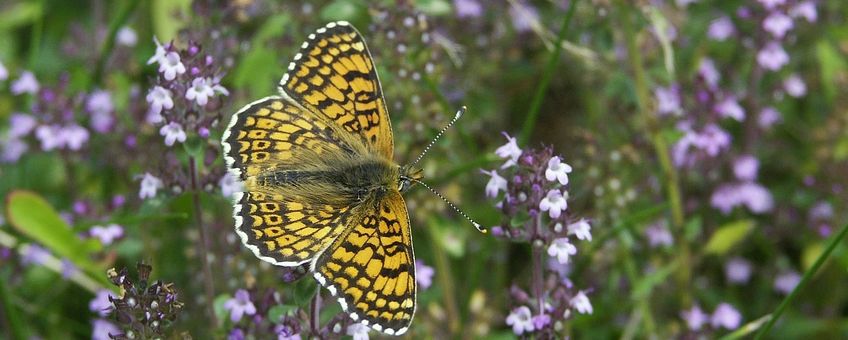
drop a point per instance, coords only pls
(454, 207)
(439, 135)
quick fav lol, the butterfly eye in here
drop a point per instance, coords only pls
(403, 184)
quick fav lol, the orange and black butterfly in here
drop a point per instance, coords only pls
(320, 185)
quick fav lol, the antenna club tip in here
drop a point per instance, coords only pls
(460, 112)
(479, 227)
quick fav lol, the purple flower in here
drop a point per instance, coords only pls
(26, 83)
(230, 185)
(423, 274)
(173, 132)
(107, 234)
(778, 24)
(100, 105)
(668, 100)
(745, 168)
(521, 320)
(236, 334)
(708, 71)
(541, 321)
(13, 148)
(772, 57)
(202, 89)
(557, 170)
(509, 151)
(159, 99)
(581, 229)
(126, 36)
(720, 29)
(240, 305)
(695, 318)
(149, 185)
(806, 9)
(34, 254)
(770, 4)
(795, 86)
(20, 124)
(101, 304)
(159, 54)
(768, 117)
(562, 249)
(581, 303)
(67, 268)
(73, 136)
(658, 235)
(467, 8)
(737, 270)
(754, 196)
(523, 15)
(358, 331)
(712, 140)
(821, 211)
(786, 282)
(170, 65)
(726, 316)
(101, 329)
(729, 107)
(285, 332)
(555, 203)
(495, 185)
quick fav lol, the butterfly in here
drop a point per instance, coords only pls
(320, 186)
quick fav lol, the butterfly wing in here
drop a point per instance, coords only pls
(371, 267)
(334, 74)
(275, 133)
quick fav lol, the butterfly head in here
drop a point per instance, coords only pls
(409, 175)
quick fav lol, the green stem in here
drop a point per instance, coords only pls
(651, 126)
(445, 277)
(208, 278)
(536, 104)
(807, 276)
(109, 43)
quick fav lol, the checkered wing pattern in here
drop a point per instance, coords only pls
(371, 268)
(334, 74)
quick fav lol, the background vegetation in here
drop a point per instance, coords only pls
(706, 141)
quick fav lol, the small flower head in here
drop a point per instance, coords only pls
(495, 185)
(581, 303)
(737, 270)
(126, 36)
(557, 170)
(562, 249)
(101, 303)
(358, 331)
(521, 320)
(729, 107)
(509, 151)
(658, 235)
(467, 8)
(103, 329)
(581, 229)
(149, 185)
(668, 100)
(26, 83)
(794, 86)
(695, 318)
(170, 65)
(554, 203)
(159, 99)
(240, 305)
(173, 132)
(745, 168)
(786, 282)
(726, 316)
(720, 29)
(772, 57)
(107, 234)
(423, 274)
(778, 24)
(806, 10)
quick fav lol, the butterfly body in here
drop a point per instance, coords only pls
(320, 186)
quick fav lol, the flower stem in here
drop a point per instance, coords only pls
(314, 313)
(652, 129)
(204, 244)
(536, 104)
(807, 276)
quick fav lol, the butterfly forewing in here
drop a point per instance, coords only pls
(370, 268)
(334, 74)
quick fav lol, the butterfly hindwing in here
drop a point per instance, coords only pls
(371, 268)
(334, 74)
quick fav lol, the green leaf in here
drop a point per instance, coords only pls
(20, 14)
(279, 311)
(434, 7)
(642, 289)
(728, 236)
(218, 306)
(342, 10)
(304, 290)
(31, 215)
(832, 66)
(274, 27)
(252, 73)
